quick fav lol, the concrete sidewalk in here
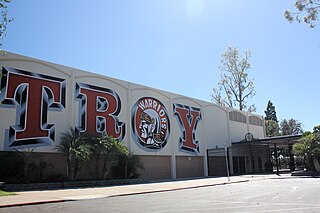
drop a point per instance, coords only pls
(61, 195)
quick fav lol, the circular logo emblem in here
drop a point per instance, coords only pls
(150, 124)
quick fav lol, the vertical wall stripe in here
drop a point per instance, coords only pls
(173, 143)
(204, 143)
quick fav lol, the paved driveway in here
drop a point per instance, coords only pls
(270, 195)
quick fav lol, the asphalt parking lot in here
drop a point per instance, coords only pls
(267, 195)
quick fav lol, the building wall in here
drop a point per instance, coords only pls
(216, 126)
(189, 166)
(40, 100)
(217, 166)
(155, 167)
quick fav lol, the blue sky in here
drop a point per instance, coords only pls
(175, 45)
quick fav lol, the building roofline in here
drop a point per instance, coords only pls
(281, 140)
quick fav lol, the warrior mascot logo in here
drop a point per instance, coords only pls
(150, 124)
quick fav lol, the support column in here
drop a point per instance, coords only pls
(207, 158)
(276, 156)
(250, 158)
(291, 163)
(204, 142)
(226, 150)
(72, 86)
(230, 157)
(129, 126)
(173, 146)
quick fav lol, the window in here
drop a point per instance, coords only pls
(254, 120)
(237, 116)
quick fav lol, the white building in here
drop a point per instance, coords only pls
(175, 136)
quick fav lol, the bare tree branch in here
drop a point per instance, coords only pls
(234, 87)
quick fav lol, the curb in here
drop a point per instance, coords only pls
(177, 189)
(32, 203)
(69, 185)
(295, 177)
(120, 195)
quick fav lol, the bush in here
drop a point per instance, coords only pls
(128, 167)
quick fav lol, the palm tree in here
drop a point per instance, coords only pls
(114, 150)
(97, 147)
(107, 150)
(131, 166)
(115, 155)
(127, 164)
(75, 150)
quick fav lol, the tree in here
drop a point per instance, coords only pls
(307, 12)
(107, 150)
(131, 165)
(271, 121)
(33, 164)
(234, 88)
(128, 166)
(98, 148)
(75, 149)
(270, 112)
(290, 127)
(285, 128)
(308, 147)
(5, 20)
(115, 150)
(272, 128)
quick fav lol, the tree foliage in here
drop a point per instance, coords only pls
(271, 120)
(76, 151)
(306, 12)
(111, 150)
(5, 20)
(308, 147)
(290, 127)
(270, 112)
(272, 128)
(106, 152)
(234, 88)
(128, 166)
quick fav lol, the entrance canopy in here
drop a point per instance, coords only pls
(270, 142)
(278, 140)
